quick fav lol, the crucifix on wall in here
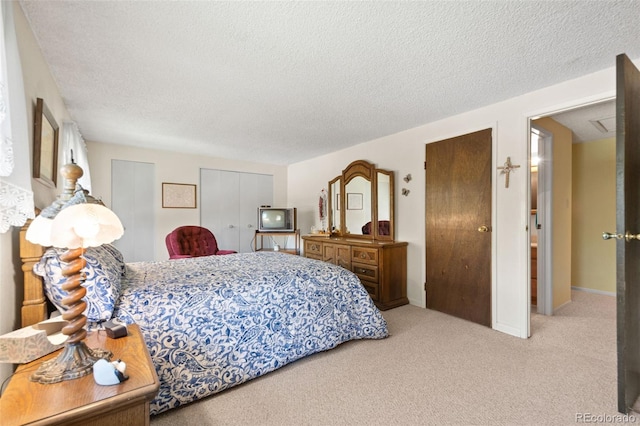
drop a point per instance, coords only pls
(506, 169)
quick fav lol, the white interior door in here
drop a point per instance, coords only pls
(220, 206)
(133, 200)
(544, 224)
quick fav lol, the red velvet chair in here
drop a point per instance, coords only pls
(192, 241)
(383, 228)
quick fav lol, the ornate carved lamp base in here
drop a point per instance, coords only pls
(76, 360)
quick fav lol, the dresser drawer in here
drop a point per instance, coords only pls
(313, 248)
(343, 256)
(364, 255)
(338, 254)
(366, 272)
(372, 289)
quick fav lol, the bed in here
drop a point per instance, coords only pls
(214, 322)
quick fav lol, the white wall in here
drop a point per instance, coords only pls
(176, 168)
(405, 153)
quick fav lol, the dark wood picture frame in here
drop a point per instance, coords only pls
(45, 145)
(178, 195)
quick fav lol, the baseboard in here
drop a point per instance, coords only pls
(591, 290)
(508, 329)
(420, 303)
(586, 290)
(564, 304)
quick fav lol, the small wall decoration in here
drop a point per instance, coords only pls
(45, 145)
(354, 201)
(506, 170)
(178, 196)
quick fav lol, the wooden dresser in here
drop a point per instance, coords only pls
(380, 265)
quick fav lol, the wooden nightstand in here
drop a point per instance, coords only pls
(81, 401)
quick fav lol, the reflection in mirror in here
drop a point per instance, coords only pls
(384, 203)
(358, 208)
(334, 204)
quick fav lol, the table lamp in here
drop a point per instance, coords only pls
(73, 223)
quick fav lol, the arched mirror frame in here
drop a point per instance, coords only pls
(338, 203)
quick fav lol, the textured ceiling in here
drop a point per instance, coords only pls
(590, 123)
(280, 82)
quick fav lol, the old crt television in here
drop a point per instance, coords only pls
(276, 219)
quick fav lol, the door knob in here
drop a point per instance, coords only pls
(627, 236)
(630, 237)
(484, 228)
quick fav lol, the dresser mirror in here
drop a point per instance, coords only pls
(384, 207)
(334, 203)
(357, 205)
(359, 198)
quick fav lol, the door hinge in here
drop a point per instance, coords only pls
(425, 286)
(425, 165)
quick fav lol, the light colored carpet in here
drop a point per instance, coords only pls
(434, 370)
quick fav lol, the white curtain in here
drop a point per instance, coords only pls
(72, 141)
(16, 196)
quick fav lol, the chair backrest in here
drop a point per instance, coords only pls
(383, 228)
(191, 241)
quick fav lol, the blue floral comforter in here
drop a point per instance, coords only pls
(214, 322)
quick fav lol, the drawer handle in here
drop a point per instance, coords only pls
(363, 271)
(363, 256)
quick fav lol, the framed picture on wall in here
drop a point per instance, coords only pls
(178, 195)
(45, 145)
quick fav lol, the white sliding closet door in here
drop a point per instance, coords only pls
(132, 199)
(219, 206)
(229, 204)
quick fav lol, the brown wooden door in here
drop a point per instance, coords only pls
(628, 222)
(458, 205)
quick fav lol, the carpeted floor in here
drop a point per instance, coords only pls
(438, 370)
